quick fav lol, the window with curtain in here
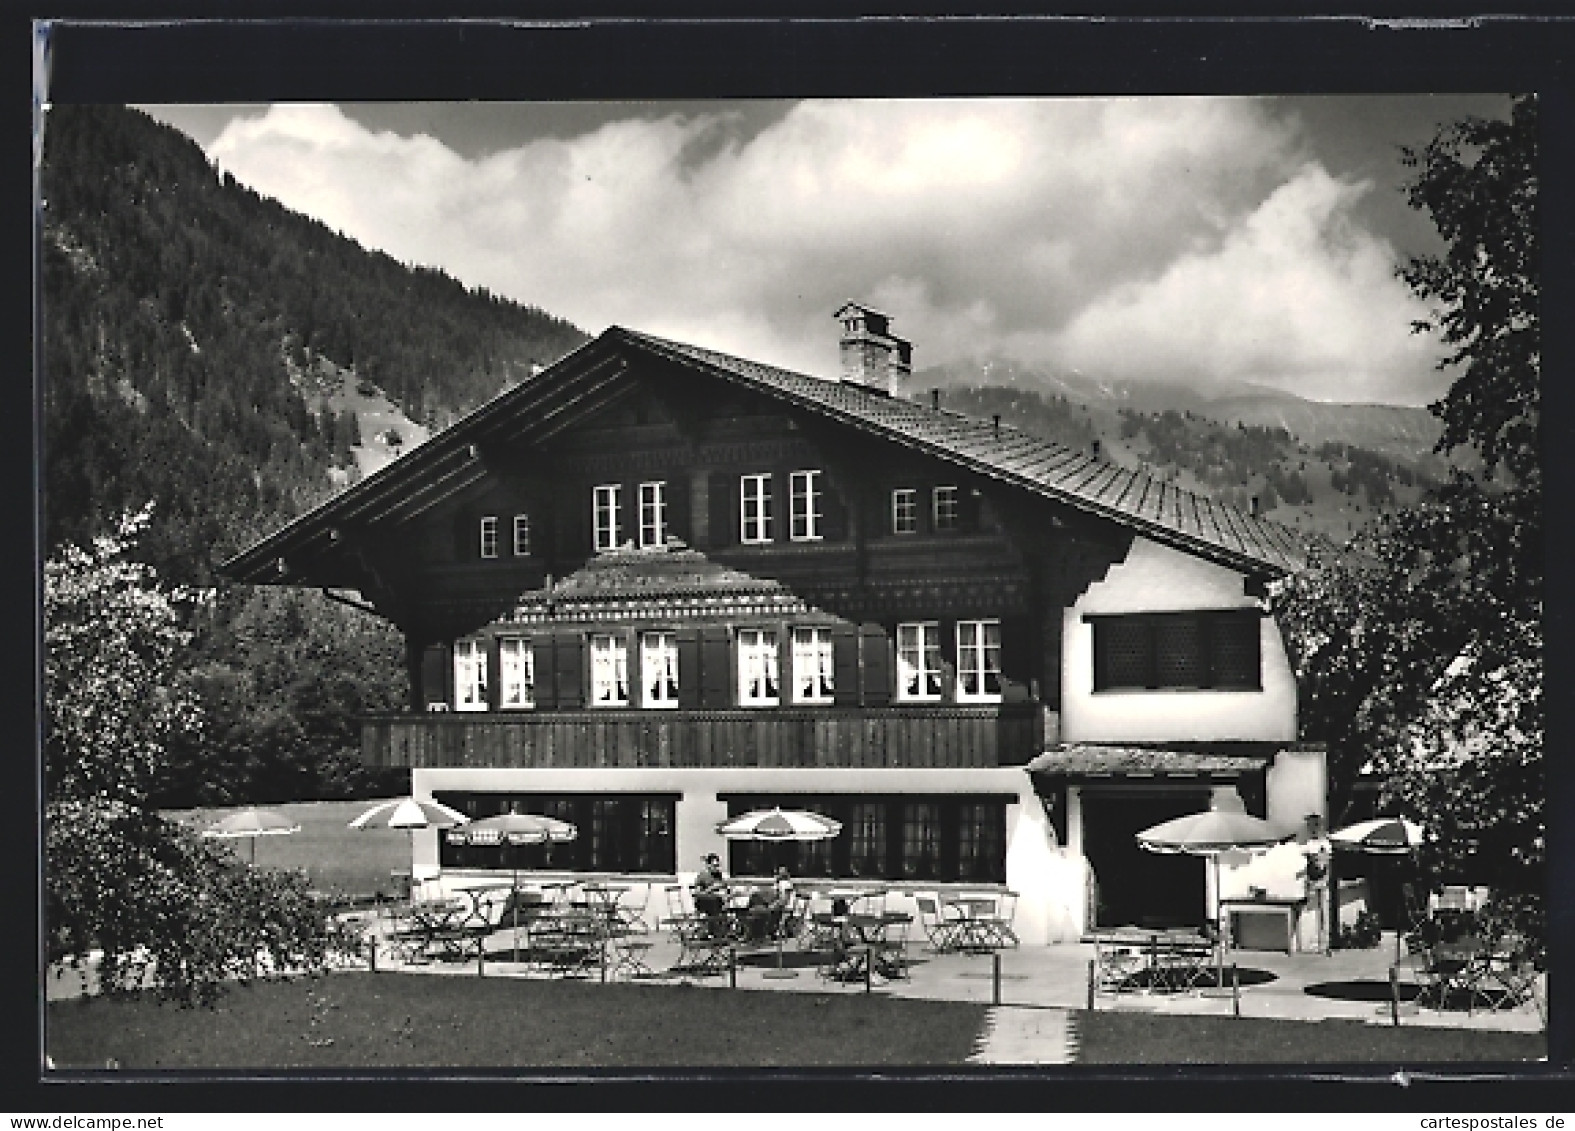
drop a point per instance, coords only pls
(618, 832)
(609, 672)
(979, 661)
(470, 675)
(919, 661)
(659, 669)
(516, 673)
(814, 679)
(758, 669)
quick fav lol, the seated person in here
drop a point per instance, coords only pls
(766, 907)
(710, 891)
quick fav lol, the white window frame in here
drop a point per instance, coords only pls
(609, 671)
(522, 535)
(918, 644)
(489, 536)
(470, 675)
(905, 504)
(604, 515)
(653, 514)
(754, 508)
(973, 659)
(516, 674)
(949, 517)
(659, 670)
(759, 668)
(814, 666)
(804, 513)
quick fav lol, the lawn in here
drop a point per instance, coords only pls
(365, 1020)
(1134, 1038)
(334, 857)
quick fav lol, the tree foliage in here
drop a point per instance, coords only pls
(1419, 650)
(162, 906)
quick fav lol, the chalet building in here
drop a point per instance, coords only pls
(654, 586)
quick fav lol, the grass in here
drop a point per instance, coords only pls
(364, 1020)
(1136, 1038)
(334, 857)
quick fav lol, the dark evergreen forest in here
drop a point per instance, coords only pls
(176, 306)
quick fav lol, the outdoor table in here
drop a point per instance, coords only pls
(1458, 965)
(438, 924)
(605, 898)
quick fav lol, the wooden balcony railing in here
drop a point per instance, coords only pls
(906, 736)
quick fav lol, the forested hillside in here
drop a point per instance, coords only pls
(204, 349)
(1329, 488)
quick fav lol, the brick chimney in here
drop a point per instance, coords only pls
(871, 354)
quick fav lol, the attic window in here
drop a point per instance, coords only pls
(489, 536)
(1215, 650)
(905, 511)
(521, 535)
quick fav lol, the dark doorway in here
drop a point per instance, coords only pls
(1137, 887)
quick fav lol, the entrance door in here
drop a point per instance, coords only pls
(1138, 887)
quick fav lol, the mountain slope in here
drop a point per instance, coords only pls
(197, 335)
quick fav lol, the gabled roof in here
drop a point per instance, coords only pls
(591, 377)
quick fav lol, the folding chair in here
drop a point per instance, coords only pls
(943, 931)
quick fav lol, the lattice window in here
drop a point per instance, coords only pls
(921, 840)
(754, 501)
(867, 846)
(653, 514)
(604, 516)
(489, 536)
(470, 675)
(945, 510)
(521, 535)
(905, 511)
(804, 506)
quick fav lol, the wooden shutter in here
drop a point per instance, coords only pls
(494, 653)
(676, 494)
(716, 667)
(834, 523)
(436, 671)
(1017, 658)
(875, 663)
(546, 692)
(568, 670)
(467, 537)
(688, 669)
(724, 509)
(845, 664)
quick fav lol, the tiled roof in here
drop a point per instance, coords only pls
(667, 572)
(1100, 760)
(1133, 498)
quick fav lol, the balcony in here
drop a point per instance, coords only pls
(917, 735)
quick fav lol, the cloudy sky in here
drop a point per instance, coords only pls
(1177, 239)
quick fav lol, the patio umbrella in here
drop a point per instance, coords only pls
(514, 829)
(1223, 827)
(410, 814)
(1382, 836)
(251, 824)
(778, 824)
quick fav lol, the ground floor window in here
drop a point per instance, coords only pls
(619, 832)
(914, 837)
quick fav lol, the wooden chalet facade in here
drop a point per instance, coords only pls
(655, 586)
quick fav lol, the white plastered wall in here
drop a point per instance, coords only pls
(1154, 578)
(1047, 878)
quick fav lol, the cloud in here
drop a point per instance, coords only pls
(1133, 238)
